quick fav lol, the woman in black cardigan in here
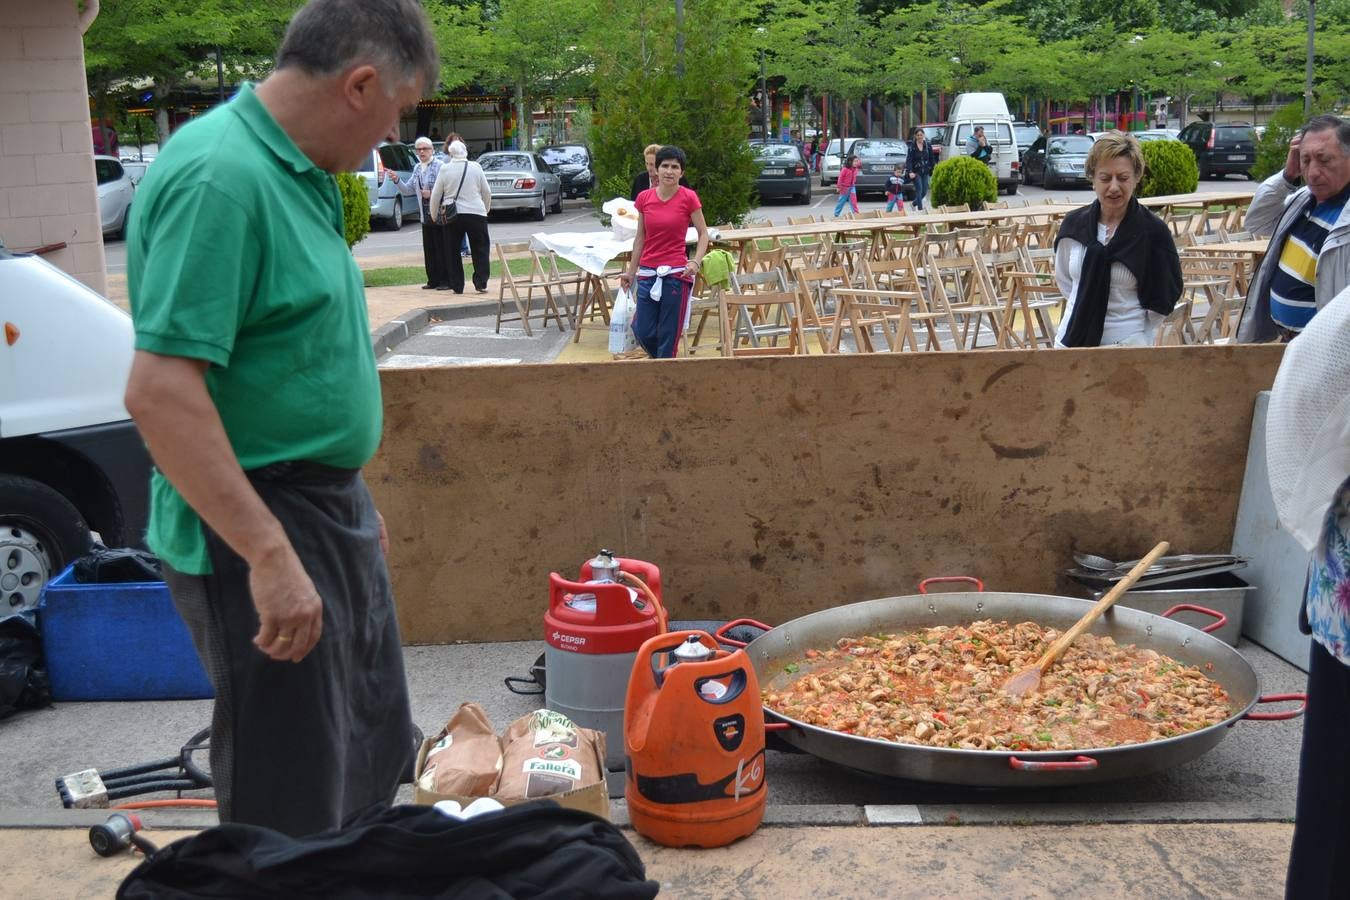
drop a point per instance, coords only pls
(1115, 261)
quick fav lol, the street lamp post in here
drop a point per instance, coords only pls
(1308, 64)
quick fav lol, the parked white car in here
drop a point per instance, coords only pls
(115, 190)
(71, 460)
(832, 160)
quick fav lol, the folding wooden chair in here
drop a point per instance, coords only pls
(522, 287)
(705, 301)
(902, 279)
(1037, 235)
(818, 310)
(900, 245)
(1003, 238)
(1172, 330)
(1212, 280)
(954, 208)
(804, 220)
(940, 245)
(961, 285)
(754, 315)
(971, 240)
(759, 259)
(1020, 291)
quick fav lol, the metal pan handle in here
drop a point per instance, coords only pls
(1077, 764)
(721, 633)
(949, 579)
(777, 726)
(1302, 699)
(1191, 607)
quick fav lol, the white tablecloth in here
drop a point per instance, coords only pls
(591, 250)
(588, 250)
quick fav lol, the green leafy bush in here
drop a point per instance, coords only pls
(963, 180)
(355, 206)
(1169, 168)
(1273, 147)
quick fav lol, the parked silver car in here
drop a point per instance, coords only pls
(391, 203)
(519, 179)
(115, 191)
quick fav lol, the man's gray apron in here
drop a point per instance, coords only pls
(302, 747)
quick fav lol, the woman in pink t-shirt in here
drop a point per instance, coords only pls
(663, 274)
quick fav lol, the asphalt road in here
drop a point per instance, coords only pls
(577, 215)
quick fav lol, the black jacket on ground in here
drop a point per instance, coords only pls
(532, 850)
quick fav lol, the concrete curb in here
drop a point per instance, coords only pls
(391, 334)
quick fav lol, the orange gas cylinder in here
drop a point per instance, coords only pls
(694, 741)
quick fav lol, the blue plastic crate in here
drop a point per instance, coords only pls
(117, 642)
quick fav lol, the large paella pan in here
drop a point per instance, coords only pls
(779, 655)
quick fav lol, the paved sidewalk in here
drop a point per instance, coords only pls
(1112, 861)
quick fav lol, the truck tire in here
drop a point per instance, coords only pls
(40, 533)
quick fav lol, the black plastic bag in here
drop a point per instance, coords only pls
(121, 566)
(23, 680)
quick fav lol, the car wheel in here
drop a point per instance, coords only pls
(396, 220)
(557, 204)
(1046, 181)
(804, 197)
(540, 211)
(1012, 189)
(40, 532)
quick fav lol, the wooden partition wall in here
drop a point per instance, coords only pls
(773, 487)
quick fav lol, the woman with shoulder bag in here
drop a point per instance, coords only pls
(462, 200)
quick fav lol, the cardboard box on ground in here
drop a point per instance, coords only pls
(542, 755)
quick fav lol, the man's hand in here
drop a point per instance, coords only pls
(426, 194)
(290, 611)
(1293, 167)
(384, 534)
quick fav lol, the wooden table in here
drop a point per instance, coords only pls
(741, 236)
(1255, 248)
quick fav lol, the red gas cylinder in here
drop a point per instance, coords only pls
(592, 631)
(694, 738)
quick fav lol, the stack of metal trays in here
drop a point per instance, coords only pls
(1100, 573)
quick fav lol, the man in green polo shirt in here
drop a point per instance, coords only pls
(254, 386)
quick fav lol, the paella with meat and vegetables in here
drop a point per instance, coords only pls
(943, 687)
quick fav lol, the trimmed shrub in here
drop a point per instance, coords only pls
(963, 180)
(355, 206)
(1169, 168)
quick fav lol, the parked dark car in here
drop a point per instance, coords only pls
(1222, 149)
(573, 166)
(1056, 160)
(782, 172)
(879, 158)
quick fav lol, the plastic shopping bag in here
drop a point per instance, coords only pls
(621, 338)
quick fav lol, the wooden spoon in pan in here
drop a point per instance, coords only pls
(1029, 679)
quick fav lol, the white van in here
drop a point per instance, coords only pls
(990, 110)
(71, 460)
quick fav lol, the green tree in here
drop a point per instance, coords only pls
(649, 92)
(537, 51)
(169, 41)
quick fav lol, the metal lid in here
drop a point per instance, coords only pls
(604, 567)
(692, 650)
